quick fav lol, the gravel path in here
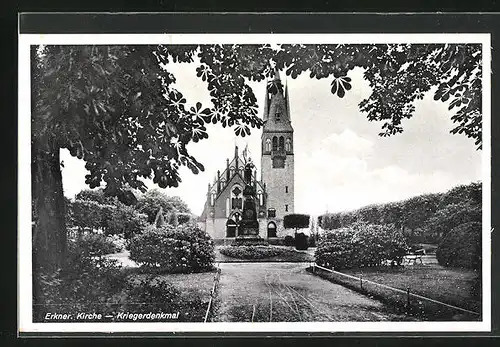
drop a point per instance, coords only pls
(285, 292)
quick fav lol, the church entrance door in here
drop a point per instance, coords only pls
(271, 229)
(230, 228)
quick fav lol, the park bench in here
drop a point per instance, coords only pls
(413, 257)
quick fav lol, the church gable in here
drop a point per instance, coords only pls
(226, 193)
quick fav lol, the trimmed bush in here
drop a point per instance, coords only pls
(361, 245)
(185, 248)
(461, 247)
(288, 240)
(301, 241)
(251, 252)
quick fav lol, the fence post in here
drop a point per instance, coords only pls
(408, 297)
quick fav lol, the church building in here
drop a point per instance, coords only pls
(274, 199)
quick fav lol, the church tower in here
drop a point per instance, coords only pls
(277, 161)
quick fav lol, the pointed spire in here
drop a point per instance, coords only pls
(218, 181)
(266, 105)
(236, 158)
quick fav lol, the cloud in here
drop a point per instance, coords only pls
(347, 142)
(337, 177)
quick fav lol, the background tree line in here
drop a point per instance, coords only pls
(92, 210)
(424, 218)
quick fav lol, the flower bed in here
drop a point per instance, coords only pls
(252, 252)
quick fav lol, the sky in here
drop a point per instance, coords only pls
(340, 161)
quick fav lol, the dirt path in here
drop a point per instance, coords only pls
(285, 292)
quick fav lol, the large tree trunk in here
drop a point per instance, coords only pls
(49, 226)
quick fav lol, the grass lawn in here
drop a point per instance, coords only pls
(289, 254)
(458, 287)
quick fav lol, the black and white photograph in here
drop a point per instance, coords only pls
(254, 182)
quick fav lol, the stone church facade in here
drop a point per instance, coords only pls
(275, 189)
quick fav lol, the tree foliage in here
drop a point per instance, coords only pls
(93, 211)
(117, 108)
(461, 247)
(296, 221)
(150, 202)
(85, 93)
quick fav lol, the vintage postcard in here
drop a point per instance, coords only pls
(254, 183)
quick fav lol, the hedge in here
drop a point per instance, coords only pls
(360, 245)
(461, 247)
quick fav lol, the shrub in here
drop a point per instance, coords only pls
(86, 284)
(311, 241)
(185, 248)
(93, 245)
(335, 249)
(251, 252)
(288, 240)
(122, 219)
(461, 247)
(184, 218)
(156, 295)
(361, 245)
(153, 295)
(301, 241)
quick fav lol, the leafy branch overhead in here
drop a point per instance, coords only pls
(117, 108)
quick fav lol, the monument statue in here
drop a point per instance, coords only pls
(248, 229)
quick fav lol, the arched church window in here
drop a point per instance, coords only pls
(288, 145)
(231, 170)
(281, 143)
(275, 143)
(268, 145)
(278, 115)
(261, 198)
(212, 199)
(236, 199)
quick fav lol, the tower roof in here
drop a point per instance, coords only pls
(276, 107)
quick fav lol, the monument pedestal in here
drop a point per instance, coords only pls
(248, 228)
